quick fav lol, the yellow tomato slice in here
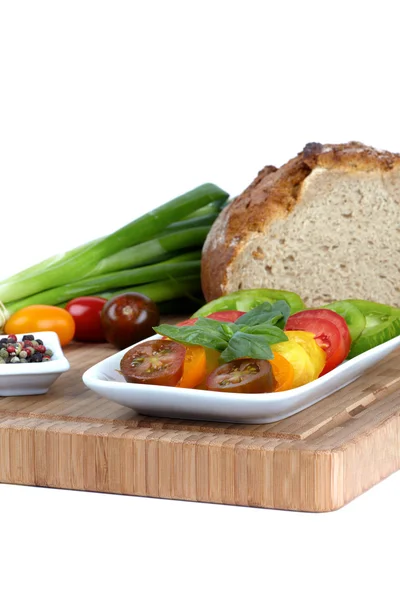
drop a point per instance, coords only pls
(298, 358)
(194, 367)
(315, 352)
(283, 373)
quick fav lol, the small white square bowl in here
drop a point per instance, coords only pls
(29, 379)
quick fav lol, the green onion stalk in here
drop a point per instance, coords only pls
(70, 268)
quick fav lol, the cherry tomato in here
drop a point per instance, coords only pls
(244, 375)
(283, 373)
(129, 318)
(194, 367)
(228, 316)
(40, 317)
(156, 362)
(335, 341)
(86, 312)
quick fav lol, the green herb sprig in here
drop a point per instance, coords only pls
(250, 336)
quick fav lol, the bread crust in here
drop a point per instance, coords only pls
(273, 194)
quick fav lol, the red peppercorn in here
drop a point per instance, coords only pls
(10, 349)
(12, 338)
(40, 348)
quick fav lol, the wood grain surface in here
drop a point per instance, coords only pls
(317, 460)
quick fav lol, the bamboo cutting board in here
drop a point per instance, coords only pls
(317, 460)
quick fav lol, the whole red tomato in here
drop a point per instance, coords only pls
(129, 318)
(86, 312)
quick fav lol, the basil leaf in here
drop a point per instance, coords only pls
(273, 333)
(195, 335)
(247, 345)
(277, 313)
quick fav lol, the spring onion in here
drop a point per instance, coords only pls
(152, 251)
(72, 268)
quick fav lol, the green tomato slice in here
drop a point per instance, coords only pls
(353, 316)
(246, 300)
(379, 329)
(374, 308)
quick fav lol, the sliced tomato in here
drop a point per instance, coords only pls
(244, 375)
(194, 367)
(186, 323)
(334, 317)
(156, 362)
(227, 316)
(283, 373)
(299, 359)
(334, 339)
(306, 339)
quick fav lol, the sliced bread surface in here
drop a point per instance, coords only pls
(325, 225)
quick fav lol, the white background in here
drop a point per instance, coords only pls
(108, 109)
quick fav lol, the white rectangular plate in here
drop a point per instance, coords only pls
(162, 401)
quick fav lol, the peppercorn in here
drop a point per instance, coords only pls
(24, 351)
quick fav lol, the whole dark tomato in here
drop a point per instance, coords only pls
(86, 314)
(129, 318)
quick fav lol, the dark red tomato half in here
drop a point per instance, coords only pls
(330, 330)
(156, 362)
(243, 376)
(227, 316)
(86, 312)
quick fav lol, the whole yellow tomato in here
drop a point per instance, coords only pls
(40, 317)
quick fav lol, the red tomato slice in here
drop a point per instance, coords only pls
(329, 315)
(227, 316)
(244, 375)
(157, 362)
(328, 335)
(187, 322)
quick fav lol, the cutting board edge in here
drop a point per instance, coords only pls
(191, 461)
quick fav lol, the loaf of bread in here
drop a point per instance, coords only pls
(325, 225)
